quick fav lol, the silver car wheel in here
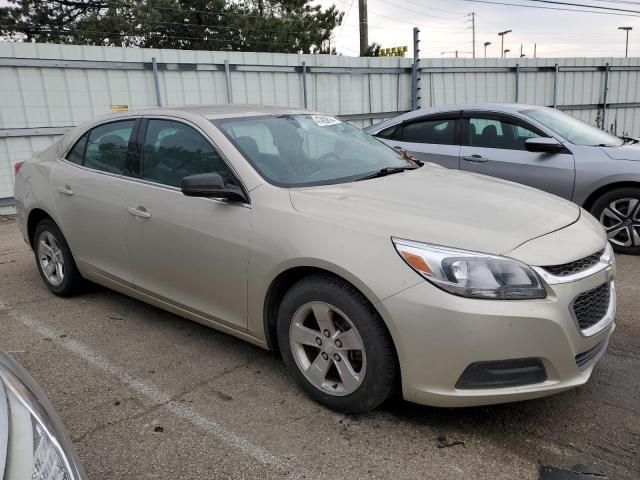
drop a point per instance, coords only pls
(50, 258)
(621, 220)
(327, 348)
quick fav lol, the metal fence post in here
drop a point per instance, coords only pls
(415, 71)
(304, 83)
(517, 81)
(604, 100)
(556, 70)
(227, 77)
(156, 81)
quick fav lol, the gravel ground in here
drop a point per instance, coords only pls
(148, 395)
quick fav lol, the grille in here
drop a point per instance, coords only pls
(591, 306)
(585, 359)
(574, 267)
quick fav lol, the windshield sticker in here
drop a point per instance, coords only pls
(325, 120)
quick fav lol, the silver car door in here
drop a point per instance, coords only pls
(191, 252)
(430, 139)
(494, 144)
(88, 193)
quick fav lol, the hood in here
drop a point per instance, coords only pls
(625, 152)
(441, 206)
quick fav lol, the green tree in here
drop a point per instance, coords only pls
(289, 26)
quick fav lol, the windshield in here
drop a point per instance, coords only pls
(303, 150)
(572, 129)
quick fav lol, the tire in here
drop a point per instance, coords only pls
(342, 309)
(55, 263)
(619, 213)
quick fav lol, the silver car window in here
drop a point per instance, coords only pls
(572, 129)
(498, 133)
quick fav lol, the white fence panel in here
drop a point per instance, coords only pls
(45, 86)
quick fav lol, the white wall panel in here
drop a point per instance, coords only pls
(35, 97)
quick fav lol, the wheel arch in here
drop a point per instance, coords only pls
(281, 284)
(36, 215)
(603, 189)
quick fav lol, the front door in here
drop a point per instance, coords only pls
(494, 145)
(88, 193)
(191, 252)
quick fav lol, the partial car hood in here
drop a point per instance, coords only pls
(625, 152)
(441, 206)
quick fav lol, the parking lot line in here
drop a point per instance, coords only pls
(153, 393)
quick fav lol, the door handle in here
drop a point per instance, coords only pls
(476, 159)
(139, 212)
(66, 190)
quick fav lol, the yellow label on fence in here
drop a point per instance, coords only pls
(119, 108)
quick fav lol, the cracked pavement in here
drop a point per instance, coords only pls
(145, 394)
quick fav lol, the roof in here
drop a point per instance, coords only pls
(492, 107)
(230, 110)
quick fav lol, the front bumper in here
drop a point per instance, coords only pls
(438, 335)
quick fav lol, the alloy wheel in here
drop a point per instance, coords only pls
(621, 220)
(327, 348)
(51, 258)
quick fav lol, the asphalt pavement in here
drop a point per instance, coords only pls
(149, 395)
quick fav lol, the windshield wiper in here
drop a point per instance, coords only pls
(383, 172)
(628, 139)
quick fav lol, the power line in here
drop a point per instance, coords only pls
(411, 10)
(436, 9)
(549, 8)
(599, 7)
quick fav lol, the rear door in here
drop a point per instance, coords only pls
(88, 192)
(190, 251)
(494, 144)
(435, 138)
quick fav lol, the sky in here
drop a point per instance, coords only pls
(445, 28)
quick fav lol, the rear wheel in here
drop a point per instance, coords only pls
(619, 213)
(54, 260)
(335, 345)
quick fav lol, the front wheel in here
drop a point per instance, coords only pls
(619, 213)
(335, 345)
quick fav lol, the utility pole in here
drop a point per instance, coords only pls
(486, 44)
(521, 53)
(473, 32)
(535, 50)
(415, 71)
(502, 34)
(626, 47)
(364, 27)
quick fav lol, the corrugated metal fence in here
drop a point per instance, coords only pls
(46, 89)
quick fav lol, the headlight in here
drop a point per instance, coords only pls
(471, 274)
(38, 447)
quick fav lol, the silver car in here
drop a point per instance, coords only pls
(33, 441)
(536, 146)
(297, 232)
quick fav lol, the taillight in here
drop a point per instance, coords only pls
(17, 167)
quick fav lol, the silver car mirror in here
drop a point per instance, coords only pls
(543, 145)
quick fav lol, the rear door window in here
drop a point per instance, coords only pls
(107, 147)
(435, 131)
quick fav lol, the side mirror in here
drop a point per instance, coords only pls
(211, 185)
(543, 145)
